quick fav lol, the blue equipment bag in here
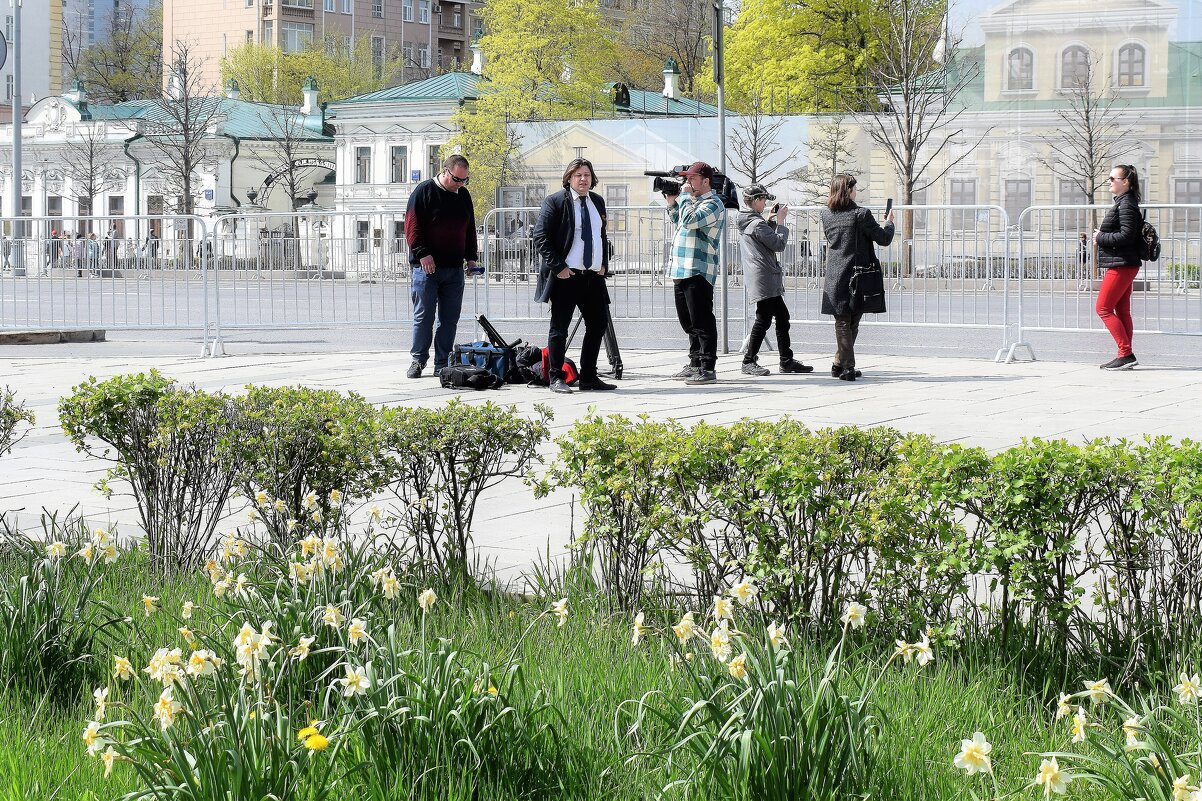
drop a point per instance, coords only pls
(498, 361)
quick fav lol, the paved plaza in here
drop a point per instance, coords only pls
(967, 400)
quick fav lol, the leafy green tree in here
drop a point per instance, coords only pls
(545, 59)
(266, 74)
(127, 62)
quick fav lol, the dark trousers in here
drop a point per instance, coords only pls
(765, 311)
(695, 310)
(584, 290)
(847, 328)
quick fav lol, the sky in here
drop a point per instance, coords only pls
(1189, 19)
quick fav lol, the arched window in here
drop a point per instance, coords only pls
(1131, 67)
(1020, 69)
(1075, 67)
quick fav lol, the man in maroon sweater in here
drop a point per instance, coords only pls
(440, 226)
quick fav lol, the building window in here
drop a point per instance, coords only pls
(250, 37)
(268, 32)
(423, 12)
(423, 52)
(478, 27)
(1186, 222)
(1075, 67)
(377, 9)
(377, 56)
(407, 53)
(1132, 61)
(398, 236)
(407, 10)
(1016, 198)
(346, 6)
(295, 36)
(328, 6)
(362, 233)
(8, 87)
(617, 196)
(433, 160)
(1020, 69)
(457, 18)
(400, 164)
(363, 165)
(918, 197)
(8, 28)
(54, 210)
(962, 192)
(250, 3)
(1068, 193)
(117, 211)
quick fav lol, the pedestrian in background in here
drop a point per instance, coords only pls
(1120, 241)
(760, 241)
(850, 231)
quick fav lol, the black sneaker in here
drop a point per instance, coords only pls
(414, 371)
(1121, 363)
(595, 385)
(751, 368)
(702, 377)
(837, 372)
(794, 366)
(849, 375)
(688, 372)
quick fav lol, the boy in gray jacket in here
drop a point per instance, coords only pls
(759, 242)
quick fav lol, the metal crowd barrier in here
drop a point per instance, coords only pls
(140, 272)
(948, 267)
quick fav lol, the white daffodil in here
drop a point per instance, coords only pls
(357, 631)
(123, 669)
(166, 708)
(720, 642)
(776, 635)
(1189, 688)
(686, 629)
(101, 698)
(854, 615)
(923, 654)
(332, 617)
(428, 598)
(301, 651)
(560, 610)
(1079, 725)
(55, 551)
(1051, 778)
(186, 612)
(1098, 690)
(738, 667)
(639, 629)
(355, 682)
(974, 755)
(723, 608)
(93, 740)
(744, 592)
(1063, 707)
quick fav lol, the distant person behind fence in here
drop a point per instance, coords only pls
(760, 241)
(440, 228)
(1119, 241)
(850, 231)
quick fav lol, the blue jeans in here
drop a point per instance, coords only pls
(441, 292)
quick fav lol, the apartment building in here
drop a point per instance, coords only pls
(430, 36)
(41, 54)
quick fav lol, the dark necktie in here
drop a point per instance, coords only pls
(586, 231)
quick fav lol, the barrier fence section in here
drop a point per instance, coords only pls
(129, 272)
(1058, 275)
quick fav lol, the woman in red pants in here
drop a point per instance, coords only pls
(1119, 241)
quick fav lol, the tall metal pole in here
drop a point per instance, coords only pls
(720, 81)
(15, 54)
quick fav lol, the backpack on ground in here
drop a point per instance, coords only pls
(1149, 239)
(534, 365)
(497, 361)
(468, 376)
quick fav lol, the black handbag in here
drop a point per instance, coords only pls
(868, 289)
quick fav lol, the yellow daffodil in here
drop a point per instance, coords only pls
(723, 608)
(262, 498)
(744, 592)
(492, 690)
(101, 697)
(426, 599)
(1063, 708)
(357, 631)
(333, 617)
(87, 553)
(56, 550)
(1181, 788)
(854, 615)
(974, 755)
(560, 610)
(376, 513)
(776, 635)
(720, 642)
(1051, 778)
(685, 630)
(123, 669)
(355, 682)
(1188, 689)
(390, 586)
(1079, 725)
(335, 497)
(166, 708)
(301, 651)
(1097, 690)
(738, 667)
(639, 629)
(186, 612)
(93, 740)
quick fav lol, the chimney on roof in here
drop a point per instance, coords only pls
(310, 107)
(671, 80)
(477, 67)
(77, 94)
(175, 87)
(232, 91)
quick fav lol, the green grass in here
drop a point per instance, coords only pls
(586, 670)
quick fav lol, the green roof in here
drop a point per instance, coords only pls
(448, 86)
(243, 118)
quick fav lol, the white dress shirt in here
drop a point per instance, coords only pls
(575, 258)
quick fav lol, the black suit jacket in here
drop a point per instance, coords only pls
(553, 236)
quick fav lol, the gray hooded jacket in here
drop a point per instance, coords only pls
(759, 242)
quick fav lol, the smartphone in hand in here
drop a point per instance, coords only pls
(775, 208)
(888, 206)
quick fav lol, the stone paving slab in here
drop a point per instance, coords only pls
(970, 401)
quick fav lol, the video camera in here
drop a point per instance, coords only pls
(669, 183)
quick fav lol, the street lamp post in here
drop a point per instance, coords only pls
(15, 53)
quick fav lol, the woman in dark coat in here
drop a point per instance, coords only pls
(1120, 240)
(850, 232)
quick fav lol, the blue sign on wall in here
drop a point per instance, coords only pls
(208, 194)
(415, 175)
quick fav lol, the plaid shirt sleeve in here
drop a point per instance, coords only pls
(699, 224)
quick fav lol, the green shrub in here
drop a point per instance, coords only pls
(12, 414)
(164, 441)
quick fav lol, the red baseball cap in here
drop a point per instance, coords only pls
(699, 168)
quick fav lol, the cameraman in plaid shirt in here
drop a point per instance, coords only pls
(700, 217)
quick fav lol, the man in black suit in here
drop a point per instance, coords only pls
(570, 239)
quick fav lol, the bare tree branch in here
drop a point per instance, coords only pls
(829, 154)
(755, 145)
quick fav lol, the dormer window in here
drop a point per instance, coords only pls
(1075, 67)
(1131, 72)
(1020, 70)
